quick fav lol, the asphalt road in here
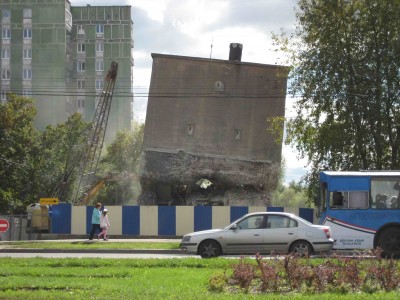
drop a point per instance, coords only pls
(100, 253)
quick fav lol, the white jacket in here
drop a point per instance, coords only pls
(104, 221)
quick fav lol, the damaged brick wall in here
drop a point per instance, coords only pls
(172, 177)
(205, 138)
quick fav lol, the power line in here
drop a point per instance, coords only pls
(153, 95)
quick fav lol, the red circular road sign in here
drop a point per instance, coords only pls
(4, 225)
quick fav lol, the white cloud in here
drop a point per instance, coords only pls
(155, 9)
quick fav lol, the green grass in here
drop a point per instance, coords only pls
(98, 278)
(92, 245)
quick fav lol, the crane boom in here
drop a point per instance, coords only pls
(95, 139)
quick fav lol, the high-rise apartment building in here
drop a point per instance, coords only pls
(59, 55)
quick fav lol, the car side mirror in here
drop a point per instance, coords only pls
(234, 227)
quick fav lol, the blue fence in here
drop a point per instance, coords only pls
(157, 220)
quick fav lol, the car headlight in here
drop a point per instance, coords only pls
(186, 238)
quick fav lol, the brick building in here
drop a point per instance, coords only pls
(206, 138)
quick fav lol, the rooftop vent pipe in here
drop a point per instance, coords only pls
(235, 51)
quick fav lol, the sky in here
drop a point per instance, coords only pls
(205, 28)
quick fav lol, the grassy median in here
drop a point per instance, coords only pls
(99, 278)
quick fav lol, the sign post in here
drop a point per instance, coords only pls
(48, 201)
(4, 225)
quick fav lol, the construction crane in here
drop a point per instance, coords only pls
(94, 143)
(88, 156)
(100, 183)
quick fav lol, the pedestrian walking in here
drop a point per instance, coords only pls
(104, 224)
(95, 220)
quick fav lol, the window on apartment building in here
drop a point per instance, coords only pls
(81, 47)
(190, 129)
(99, 65)
(27, 33)
(125, 14)
(27, 93)
(99, 29)
(99, 84)
(81, 105)
(81, 84)
(27, 73)
(99, 47)
(5, 53)
(81, 29)
(238, 134)
(68, 105)
(6, 33)
(3, 95)
(27, 13)
(5, 74)
(81, 66)
(6, 13)
(27, 53)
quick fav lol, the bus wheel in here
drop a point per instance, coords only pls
(389, 242)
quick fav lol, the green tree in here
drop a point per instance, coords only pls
(293, 195)
(58, 160)
(18, 145)
(33, 163)
(345, 58)
(121, 164)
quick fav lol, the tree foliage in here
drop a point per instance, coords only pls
(18, 146)
(58, 161)
(293, 195)
(35, 164)
(122, 161)
(345, 58)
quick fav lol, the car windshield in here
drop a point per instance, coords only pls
(233, 222)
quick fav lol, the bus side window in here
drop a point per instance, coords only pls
(337, 199)
(358, 199)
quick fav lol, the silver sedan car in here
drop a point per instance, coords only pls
(261, 232)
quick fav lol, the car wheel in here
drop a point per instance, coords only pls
(301, 248)
(389, 241)
(208, 249)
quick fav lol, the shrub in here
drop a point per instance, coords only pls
(269, 275)
(337, 274)
(243, 274)
(217, 282)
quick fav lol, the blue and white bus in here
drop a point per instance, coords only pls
(362, 208)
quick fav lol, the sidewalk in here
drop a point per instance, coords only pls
(5, 249)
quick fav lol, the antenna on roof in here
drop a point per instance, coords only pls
(212, 41)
